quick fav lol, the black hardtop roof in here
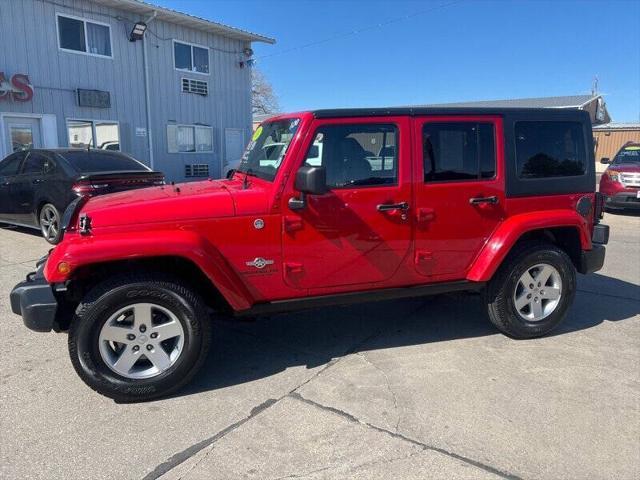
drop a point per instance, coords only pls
(552, 113)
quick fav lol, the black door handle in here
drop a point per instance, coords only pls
(478, 200)
(386, 207)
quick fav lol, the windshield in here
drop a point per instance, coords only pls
(628, 155)
(267, 148)
(102, 161)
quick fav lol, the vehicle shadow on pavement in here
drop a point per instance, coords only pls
(247, 351)
(29, 231)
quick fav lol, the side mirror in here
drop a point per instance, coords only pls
(605, 160)
(310, 180)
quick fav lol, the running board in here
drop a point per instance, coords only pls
(307, 303)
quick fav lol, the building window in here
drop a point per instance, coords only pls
(84, 36)
(550, 149)
(189, 139)
(456, 151)
(190, 58)
(100, 134)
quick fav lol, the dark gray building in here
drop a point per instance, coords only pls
(176, 95)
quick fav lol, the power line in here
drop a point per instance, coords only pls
(360, 30)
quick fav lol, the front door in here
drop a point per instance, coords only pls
(360, 231)
(459, 187)
(22, 133)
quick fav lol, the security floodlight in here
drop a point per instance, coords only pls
(138, 31)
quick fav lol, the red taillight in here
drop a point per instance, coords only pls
(598, 211)
(84, 188)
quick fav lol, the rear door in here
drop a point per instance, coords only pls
(360, 231)
(24, 188)
(459, 187)
(9, 169)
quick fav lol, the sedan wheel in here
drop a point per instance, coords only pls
(50, 223)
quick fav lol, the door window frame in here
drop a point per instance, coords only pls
(402, 126)
(498, 134)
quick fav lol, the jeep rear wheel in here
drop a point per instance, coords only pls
(532, 291)
(136, 338)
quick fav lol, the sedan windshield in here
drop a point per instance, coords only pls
(267, 148)
(628, 155)
(92, 161)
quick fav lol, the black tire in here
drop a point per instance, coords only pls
(49, 221)
(108, 297)
(500, 290)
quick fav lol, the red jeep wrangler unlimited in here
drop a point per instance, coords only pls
(327, 207)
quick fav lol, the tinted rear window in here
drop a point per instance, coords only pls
(93, 161)
(550, 149)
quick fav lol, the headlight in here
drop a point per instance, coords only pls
(613, 175)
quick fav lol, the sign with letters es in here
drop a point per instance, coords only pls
(17, 88)
(94, 98)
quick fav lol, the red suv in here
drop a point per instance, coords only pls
(358, 205)
(620, 182)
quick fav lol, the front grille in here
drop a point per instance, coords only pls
(630, 179)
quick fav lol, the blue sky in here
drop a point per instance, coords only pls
(445, 51)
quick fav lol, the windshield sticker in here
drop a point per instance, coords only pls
(632, 149)
(294, 124)
(257, 133)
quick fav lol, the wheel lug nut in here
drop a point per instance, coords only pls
(136, 348)
(541, 292)
(536, 299)
(528, 296)
(539, 284)
(154, 335)
(143, 328)
(531, 286)
(131, 336)
(149, 347)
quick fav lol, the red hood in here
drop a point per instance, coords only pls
(185, 201)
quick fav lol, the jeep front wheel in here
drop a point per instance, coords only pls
(532, 291)
(139, 337)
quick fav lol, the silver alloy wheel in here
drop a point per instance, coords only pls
(141, 341)
(538, 292)
(49, 222)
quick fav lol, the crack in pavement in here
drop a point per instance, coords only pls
(355, 467)
(388, 384)
(423, 446)
(189, 452)
(182, 456)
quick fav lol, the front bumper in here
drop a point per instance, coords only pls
(34, 300)
(623, 200)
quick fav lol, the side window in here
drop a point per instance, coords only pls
(34, 164)
(550, 149)
(455, 151)
(356, 155)
(11, 164)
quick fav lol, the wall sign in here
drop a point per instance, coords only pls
(94, 98)
(17, 88)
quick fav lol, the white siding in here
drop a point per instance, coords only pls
(29, 38)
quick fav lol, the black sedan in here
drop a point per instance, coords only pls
(37, 185)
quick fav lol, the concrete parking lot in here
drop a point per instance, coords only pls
(414, 389)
